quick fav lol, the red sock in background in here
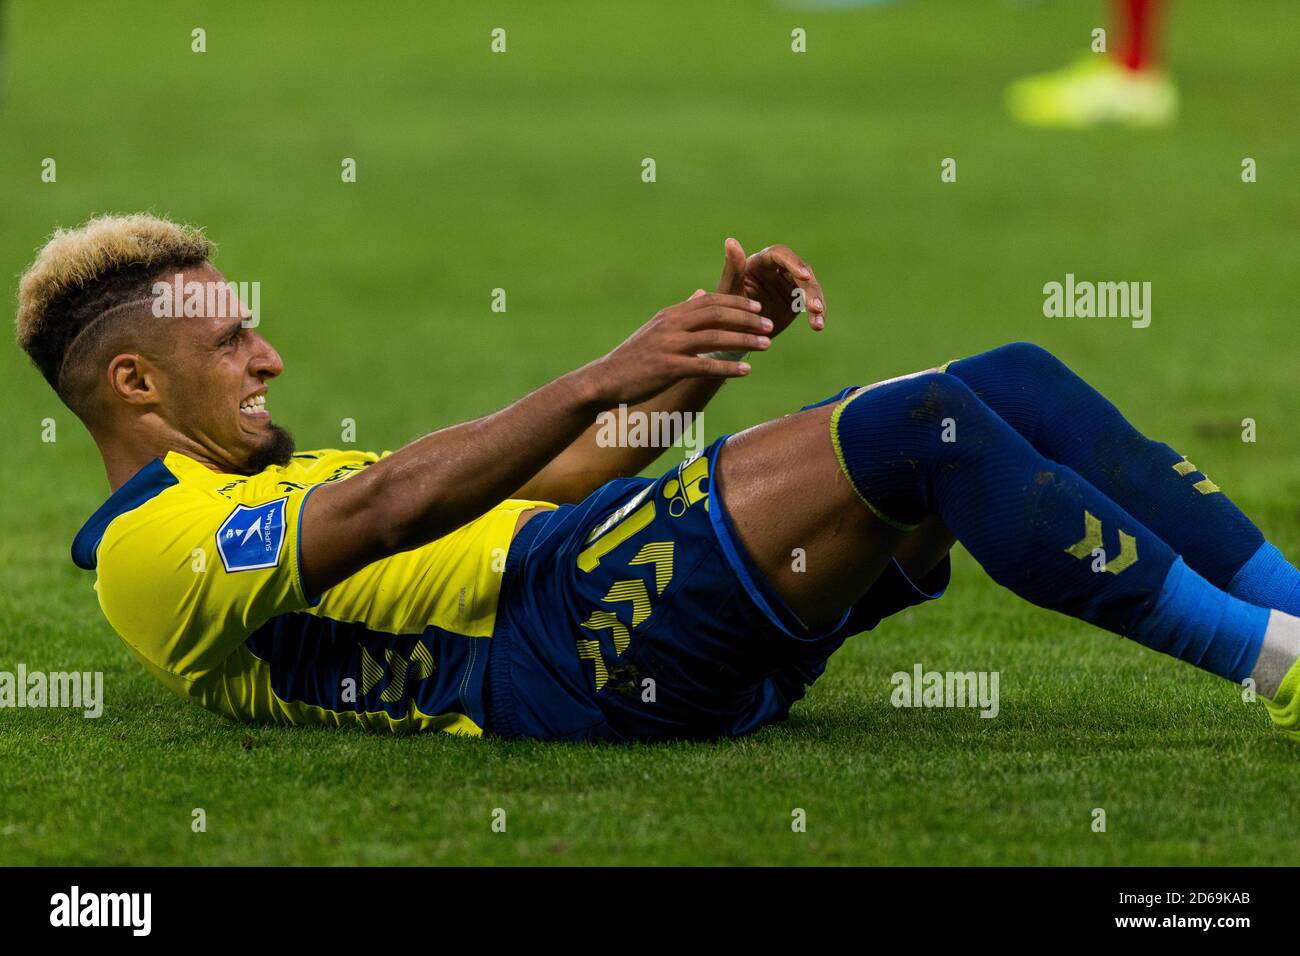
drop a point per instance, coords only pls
(1138, 20)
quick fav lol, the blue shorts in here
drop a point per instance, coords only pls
(637, 615)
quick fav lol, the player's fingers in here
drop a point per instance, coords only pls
(722, 317)
(697, 302)
(722, 340)
(815, 300)
(696, 294)
(732, 279)
(702, 366)
(816, 303)
(805, 279)
(786, 258)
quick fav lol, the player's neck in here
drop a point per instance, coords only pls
(120, 464)
(122, 459)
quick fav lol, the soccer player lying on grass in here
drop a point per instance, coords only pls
(503, 575)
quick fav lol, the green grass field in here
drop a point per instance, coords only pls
(522, 171)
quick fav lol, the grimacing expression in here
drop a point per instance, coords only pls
(213, 386)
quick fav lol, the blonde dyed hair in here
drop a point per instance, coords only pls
(81, 274)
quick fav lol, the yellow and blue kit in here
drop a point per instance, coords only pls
(198, 573)
(638, 615)
(634, 614)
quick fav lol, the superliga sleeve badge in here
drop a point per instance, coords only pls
(252, 537)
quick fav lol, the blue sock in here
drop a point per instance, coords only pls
(1198, 623)
(1069, 421)
(1268, 580)
(927, 445)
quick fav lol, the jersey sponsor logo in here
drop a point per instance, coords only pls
(252, 537)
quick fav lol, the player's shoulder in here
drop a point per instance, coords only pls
(152, 490)
(323, 464)
(156, 505)
(175, 496)
(305, 469)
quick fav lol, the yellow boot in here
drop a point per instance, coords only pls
(1284, 708)
(1093, 90)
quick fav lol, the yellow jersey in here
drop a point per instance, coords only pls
(198, 573)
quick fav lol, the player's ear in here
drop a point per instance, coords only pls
(133, 379)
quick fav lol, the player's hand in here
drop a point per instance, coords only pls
(777, 278)
(670, 346)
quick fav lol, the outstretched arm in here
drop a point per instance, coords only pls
(585, 464)
(445, 479)
(769, 277)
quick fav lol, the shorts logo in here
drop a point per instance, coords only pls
(690, 485)
(252, 537)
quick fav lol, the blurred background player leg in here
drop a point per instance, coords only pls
(1124, 85)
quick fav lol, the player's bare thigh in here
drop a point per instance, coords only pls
(784, 490)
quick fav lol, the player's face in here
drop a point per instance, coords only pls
(216, 385)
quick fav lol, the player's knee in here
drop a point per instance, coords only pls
(912, 411)
(1032, 362)
(891, 439)
(936, 397)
